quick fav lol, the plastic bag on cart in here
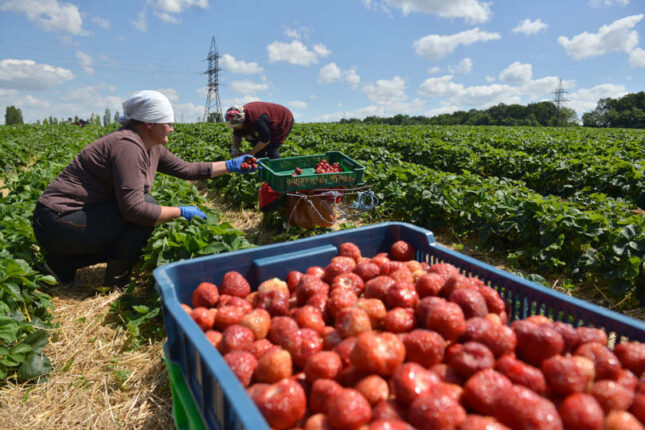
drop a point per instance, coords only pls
(311, 208)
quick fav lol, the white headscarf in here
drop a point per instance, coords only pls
(148, 106)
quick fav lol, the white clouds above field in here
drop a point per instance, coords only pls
(356, 58)
(248, 87)
(240, 67)
(332, 73)
(388, 97)
(607, 3)
(435, 46)
(519, 88)
(528, 26)
(618, 36)
(50, 15)
(637, 58)
(475, 11)
(169, 10)
(29, 75)
(296, 53)
(86, 62)
(517, 73)
(586, 99)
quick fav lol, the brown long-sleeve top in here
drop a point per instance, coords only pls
(118, 167)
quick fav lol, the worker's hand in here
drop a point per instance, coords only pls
(189, 212)
(241, 164)
(234, 152)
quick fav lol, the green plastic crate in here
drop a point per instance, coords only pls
(184, 411)
(278, 173)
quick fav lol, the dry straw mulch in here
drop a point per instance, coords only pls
(96, 382)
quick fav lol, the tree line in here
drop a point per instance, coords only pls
(13, 115)
(625, 112)
(535, 114)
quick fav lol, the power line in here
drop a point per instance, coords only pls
(210, 114)
(559, 99)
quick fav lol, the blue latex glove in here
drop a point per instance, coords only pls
(235, 165)
(189, 212)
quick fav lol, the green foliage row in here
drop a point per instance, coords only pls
(472, 182)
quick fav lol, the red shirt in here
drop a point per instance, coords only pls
(280, 120)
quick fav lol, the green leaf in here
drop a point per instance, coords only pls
(48, 279)
(142, 309)
(8, 329)
(38, 340)
(35, 365)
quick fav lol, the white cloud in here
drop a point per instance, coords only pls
(171, 93)
(542, 88)
(247, 87)
(440, 87)
(167, 10)
(84, 101)
(475, 96)
(188, 112)
(434, 69)
(50, 15)
(637, 58)
(296, 33)
(86, 62)
(297, 104)
(330, 73)
(601, 3)
(141, 22)
(294, 53)
(435, 46)
(103, 23)
(616, 36)
(352, 78)
(28, 75)
(517, 73)
(527, 26)
(239, 101)
(586, 99)
(475, 11)
(386, 91)
(238, 66)
(412, 107)
(464, 67)
(455, 96)
(321, 50)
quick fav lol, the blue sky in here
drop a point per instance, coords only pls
(325, 60)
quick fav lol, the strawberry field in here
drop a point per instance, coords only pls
(558, 204)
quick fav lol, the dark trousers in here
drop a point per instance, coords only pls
(272, 150)
(96, 234)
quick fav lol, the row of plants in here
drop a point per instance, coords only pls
(591, 239)
(563, 163)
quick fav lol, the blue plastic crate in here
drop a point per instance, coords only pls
(222, 400)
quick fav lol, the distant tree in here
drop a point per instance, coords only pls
(95, 119)
(12, 115)
(107, 118)
(627, 112)
(116, 116)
